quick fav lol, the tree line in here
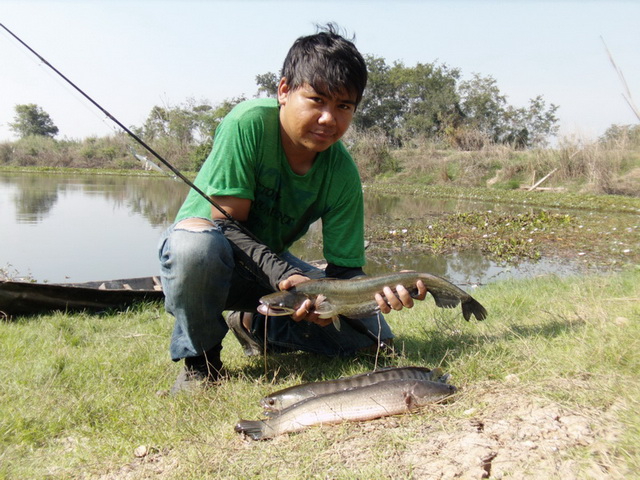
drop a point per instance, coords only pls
(428, 102)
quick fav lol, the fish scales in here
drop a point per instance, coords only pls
(356, 297)
(284, 398)
(390, 397)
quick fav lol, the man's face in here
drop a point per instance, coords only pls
(312, 122)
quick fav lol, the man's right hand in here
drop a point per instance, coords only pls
(307, 309)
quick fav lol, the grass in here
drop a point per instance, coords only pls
(81, 393)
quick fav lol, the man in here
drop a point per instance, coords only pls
(276, 167)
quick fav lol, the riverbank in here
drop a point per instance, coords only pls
(548, 383)
(547, 389)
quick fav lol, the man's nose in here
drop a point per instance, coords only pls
(327, 117)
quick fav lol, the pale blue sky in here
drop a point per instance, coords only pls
(132, 55)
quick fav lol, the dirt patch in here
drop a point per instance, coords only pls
(510, 435)
(513, 436)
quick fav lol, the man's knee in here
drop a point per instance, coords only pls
(198, 242)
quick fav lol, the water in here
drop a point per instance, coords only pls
(75, 228)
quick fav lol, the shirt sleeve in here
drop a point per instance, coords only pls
(231, 169)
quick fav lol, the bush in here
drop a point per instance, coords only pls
(370, 150)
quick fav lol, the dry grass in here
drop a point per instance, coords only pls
(594, 167)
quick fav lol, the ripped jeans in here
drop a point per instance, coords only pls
(200, 280)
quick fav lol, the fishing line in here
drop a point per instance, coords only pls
(134, 136)
(63, 85)
(264, 353)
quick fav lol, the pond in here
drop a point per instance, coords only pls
(86, 227)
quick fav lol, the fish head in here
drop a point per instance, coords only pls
(425, 392)
(281, 303)
(270, 403)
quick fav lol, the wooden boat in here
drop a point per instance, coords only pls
(28, 298)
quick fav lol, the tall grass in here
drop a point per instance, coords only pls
(81, 393)
(610, 165)
(579, 166)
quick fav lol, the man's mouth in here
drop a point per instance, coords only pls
(322, 135)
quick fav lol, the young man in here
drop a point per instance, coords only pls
(276, 167)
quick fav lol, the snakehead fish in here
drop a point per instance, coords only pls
(390, 397)
(277, 401)
(355, 298)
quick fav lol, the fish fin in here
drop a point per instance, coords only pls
(409, 401)
(252, 428)
(336, 322)
(472, 306)
(324, 308)
(445, 301)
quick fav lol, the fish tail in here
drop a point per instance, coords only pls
(252, 428)
(473, 307)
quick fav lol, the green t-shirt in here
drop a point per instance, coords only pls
(248, 161)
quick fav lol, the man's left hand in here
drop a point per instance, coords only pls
(400, 299)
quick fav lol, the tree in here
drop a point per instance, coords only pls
(268, 84)
(486, 111)
(30, 119)
(186, 131)
(427, 93)
(483, 106)
(533, 126)
(189, 123)
(379, 107)
(406, 102)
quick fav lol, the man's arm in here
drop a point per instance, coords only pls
(268, 268)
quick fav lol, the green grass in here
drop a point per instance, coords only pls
(81, 392)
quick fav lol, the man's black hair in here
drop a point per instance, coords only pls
(327, 62)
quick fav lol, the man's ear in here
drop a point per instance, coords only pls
(283, 91)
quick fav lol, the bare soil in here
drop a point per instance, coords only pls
(509, 434)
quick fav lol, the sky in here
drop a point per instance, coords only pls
(132, 55)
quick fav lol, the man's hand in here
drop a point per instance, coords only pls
(307, 309)
(400, 299)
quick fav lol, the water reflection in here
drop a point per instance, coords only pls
(70, 227)
(61, 228)
(35, 195)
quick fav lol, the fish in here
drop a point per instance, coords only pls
(390, 397)
(282, 399)
(355, 298)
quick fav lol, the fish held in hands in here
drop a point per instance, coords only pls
(355, 298)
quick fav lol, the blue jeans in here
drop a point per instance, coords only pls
(200, 280)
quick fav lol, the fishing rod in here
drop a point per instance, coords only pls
(136, 138)
(356, 324)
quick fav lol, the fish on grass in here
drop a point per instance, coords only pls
(282, 399)
(390, 397)
(355, 298)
